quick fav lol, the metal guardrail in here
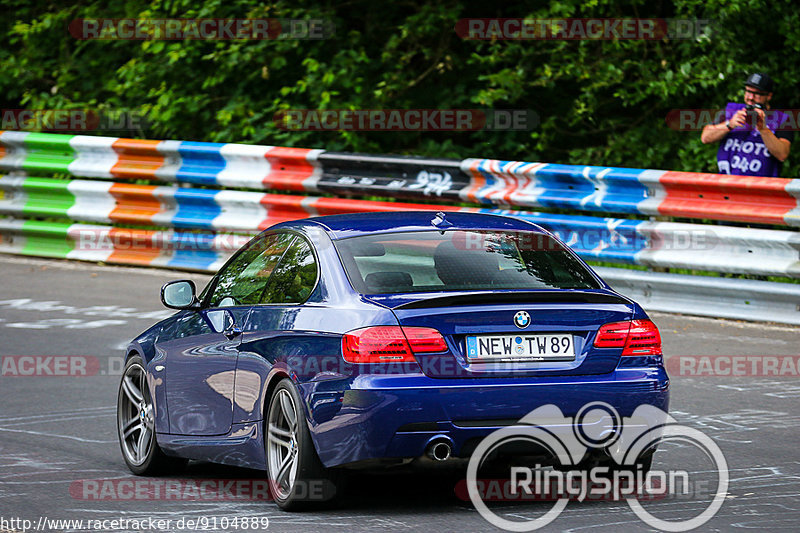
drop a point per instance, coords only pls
(197, 211)
(705, 296)
(484, 181)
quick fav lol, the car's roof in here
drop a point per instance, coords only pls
(355, 224)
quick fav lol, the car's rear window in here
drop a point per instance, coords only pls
(460, 260)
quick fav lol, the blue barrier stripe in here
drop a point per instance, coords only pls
(185, 240)
(600, 189)
(196, 208)
(193, 259)
(192, 250)
(201, 162)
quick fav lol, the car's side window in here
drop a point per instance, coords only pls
(295, 276)
(243, 281)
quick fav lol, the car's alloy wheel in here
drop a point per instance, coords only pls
(135, 416)
(297, 477)
(136, 423)
(282, 443)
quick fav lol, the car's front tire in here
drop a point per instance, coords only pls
(297, 478)
(136, 424)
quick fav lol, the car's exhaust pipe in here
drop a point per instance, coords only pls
(440, 448)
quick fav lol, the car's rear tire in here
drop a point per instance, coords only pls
(297, 478)
(136, 424)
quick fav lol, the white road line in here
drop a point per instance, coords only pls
(38, 433)
(57, 414)
(61, 419)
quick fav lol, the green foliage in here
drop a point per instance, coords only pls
(599, 101)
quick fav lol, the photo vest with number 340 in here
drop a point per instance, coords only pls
(742, 151)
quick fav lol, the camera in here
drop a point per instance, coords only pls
(752, 116)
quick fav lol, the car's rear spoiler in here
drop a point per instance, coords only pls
(479, 298)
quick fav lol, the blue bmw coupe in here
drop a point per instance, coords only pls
(376, 339)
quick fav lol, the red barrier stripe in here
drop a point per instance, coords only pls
(137, 158)
(2, 148)
(289, 168)
(135, 203)
(333, 206)
(722, 197)
(282, 207)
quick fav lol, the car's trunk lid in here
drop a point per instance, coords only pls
(486, 321)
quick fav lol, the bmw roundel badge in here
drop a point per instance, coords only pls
(522, 319)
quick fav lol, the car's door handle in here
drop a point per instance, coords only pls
(233, 331)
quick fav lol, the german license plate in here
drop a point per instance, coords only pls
(528, 347)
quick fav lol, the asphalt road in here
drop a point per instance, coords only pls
(57, 432)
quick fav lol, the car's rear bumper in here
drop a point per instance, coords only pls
(376, 417)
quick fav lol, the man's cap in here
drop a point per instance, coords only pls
(760, 81)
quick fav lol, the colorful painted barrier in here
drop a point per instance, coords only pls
(228, 165)
(167, 249)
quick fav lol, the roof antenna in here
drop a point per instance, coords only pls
(440, 221)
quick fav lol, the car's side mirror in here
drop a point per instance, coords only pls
(179, 294)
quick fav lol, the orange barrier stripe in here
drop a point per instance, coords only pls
(2, 148)
(133, 246)
(289, 168)
(137, 158)
(135, 203)
(478, 182)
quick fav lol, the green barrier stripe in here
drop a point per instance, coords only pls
(47, 238)
(48, 152)
(47, 197)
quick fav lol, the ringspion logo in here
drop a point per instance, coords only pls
(627, 441)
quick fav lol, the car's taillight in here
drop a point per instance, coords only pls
(612, 335)
(635, 337)
(643, 339)
(390, 344)
(425, 340)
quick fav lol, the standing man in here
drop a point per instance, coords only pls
(752, 143)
